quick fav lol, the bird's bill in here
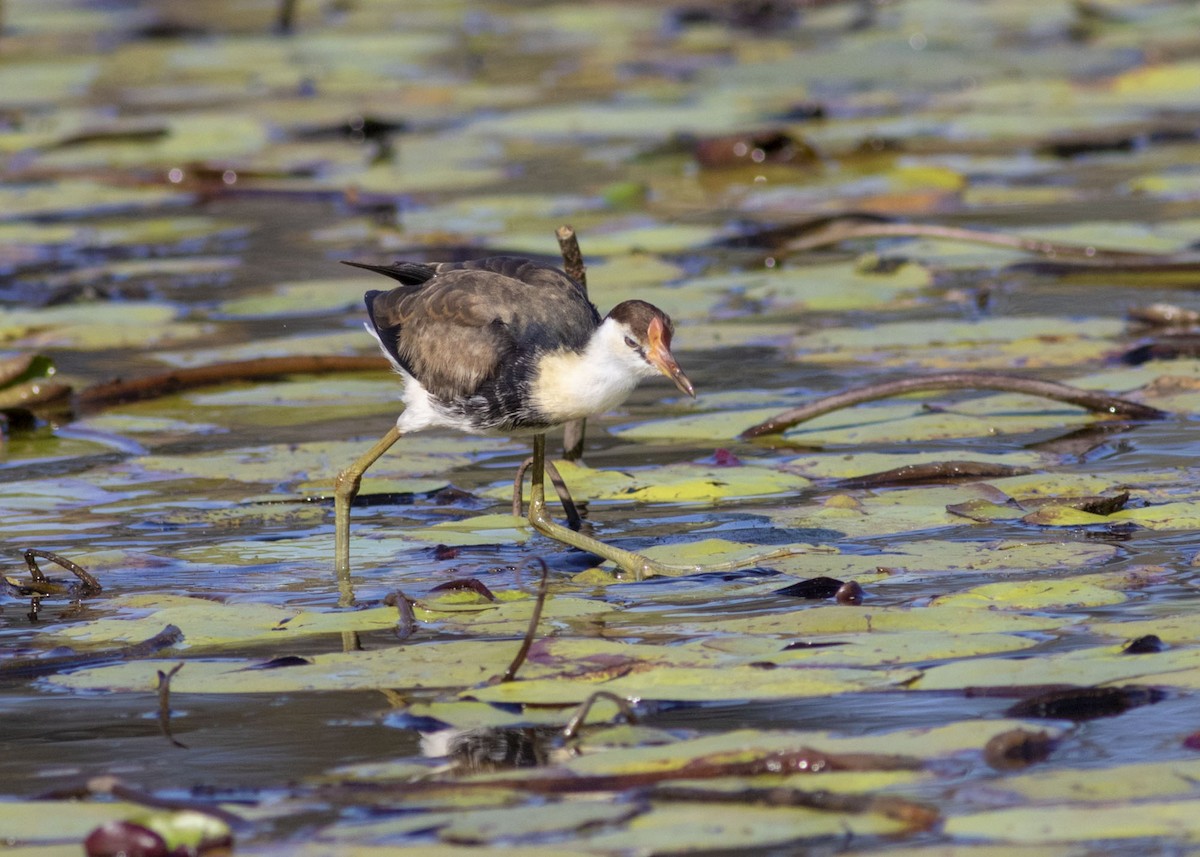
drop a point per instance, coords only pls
(660, 357)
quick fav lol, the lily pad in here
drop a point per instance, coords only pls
(674, 483)
(311, 297)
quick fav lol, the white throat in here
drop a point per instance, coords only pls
(572, 385)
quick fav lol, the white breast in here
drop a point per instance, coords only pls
(570, 385)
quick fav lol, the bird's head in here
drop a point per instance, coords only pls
(643, 342)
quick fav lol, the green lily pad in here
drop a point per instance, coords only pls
(81, 198)
(1034, 595)
(673, 483)
(698, 683)
(208, 623)
(436, 665)
(1088, 822)
(311, 297)
(94, 328)
(1085, 667)
(304, 462)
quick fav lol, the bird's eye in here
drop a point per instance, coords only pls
(631, 342)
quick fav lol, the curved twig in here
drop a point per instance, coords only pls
(164, 704)
(406, 623)
(89, 585)
(21, 667)
(1095, 402)
(110, 785)
(578, 719)
(166, 383)
(836, 231)
(534, 618)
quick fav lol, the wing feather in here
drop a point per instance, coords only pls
(453, 326)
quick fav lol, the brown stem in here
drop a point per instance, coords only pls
(568, 244)
(813, 234)
(406, 623)
(166, 383)
(285, 19)
(931, 473)
(915, 815)
(1095, 402)
(109, 785)
(844, 231)
(91, 586)
(580, 716)
(48, 665)
(800, 761)
(534, 619)
(164, 704)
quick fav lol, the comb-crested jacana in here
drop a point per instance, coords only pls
(507, 345)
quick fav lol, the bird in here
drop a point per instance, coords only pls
(506, 345)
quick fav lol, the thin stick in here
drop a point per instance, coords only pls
(91, 586)
(166, 383)
(799, 761)
(585, 708)
(568, 244)
(519, 486)
(842, 230)
(1095, 402)
(915, 815)
(407, 622)
(286, 17)
(109, 785)
(824, 231)
(164, 704)
(534, 618)
(48, 665)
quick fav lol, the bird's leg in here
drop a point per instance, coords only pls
(345, 489)
(574, 519)
(633, 563)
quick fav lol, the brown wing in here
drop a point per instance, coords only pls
(452, 326)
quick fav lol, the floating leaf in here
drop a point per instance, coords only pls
(82, 197)
(311, 297)
(92, 328)
(1087, 822)
(438, 665)
(208, 623)
(43, 822)
(484, 825)
(295, 462)
(687, 827)
(697, 684)
(1123, 781)
(475, 530)
(1085, 667)
(1034, 595)
(674, 483)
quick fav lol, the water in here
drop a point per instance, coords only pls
(223, 493)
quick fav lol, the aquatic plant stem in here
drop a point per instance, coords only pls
(1095, 402)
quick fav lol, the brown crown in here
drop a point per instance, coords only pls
(638, 315)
